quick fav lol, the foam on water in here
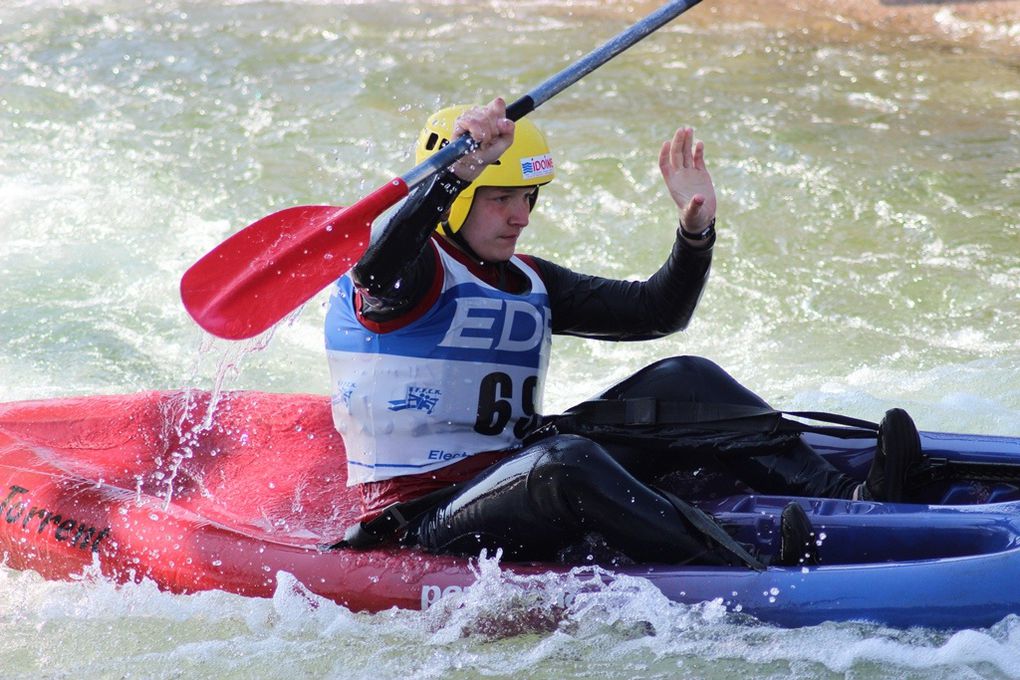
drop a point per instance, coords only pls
(504, 626)
(956, 26)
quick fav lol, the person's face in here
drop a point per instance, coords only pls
(497, 218)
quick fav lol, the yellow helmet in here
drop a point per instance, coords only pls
(527, 163)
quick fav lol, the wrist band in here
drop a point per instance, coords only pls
(703, 235)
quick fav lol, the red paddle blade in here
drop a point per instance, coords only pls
(270, 268)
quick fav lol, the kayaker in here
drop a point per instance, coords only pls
(438, 342)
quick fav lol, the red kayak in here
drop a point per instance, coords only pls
(151, 486)
(145, 487)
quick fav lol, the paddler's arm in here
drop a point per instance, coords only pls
(397, 269)
(608, 309)
(627, 310)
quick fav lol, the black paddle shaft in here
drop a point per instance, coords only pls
(464, 145)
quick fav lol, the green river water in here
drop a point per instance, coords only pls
(868, 257)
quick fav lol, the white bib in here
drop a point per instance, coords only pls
(463, 378)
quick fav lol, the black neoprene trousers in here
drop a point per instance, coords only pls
(548, 496)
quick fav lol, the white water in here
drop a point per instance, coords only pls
(869, 256)
(500, 628)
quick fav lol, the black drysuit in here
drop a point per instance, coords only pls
(563, 486)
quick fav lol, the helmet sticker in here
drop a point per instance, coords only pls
(537, 166)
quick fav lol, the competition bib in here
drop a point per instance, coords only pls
(463, 378)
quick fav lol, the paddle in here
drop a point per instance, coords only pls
(270, 268)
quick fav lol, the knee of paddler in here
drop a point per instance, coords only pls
(569, 463)
(563, 484)
(568, 455)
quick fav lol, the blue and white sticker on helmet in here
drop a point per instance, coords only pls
(537, 166)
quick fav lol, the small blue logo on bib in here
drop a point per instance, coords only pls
(418, 398)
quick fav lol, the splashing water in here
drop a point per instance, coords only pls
(504, 626)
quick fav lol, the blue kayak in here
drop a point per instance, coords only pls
(948, 563)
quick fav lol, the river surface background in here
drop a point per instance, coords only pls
(868, 257)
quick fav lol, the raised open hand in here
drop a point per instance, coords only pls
(683, 168)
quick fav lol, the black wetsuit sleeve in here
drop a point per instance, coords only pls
(608, 309)
(397, 269)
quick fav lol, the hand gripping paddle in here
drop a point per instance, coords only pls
(270, 268)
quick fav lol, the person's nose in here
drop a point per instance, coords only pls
(520, 213)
